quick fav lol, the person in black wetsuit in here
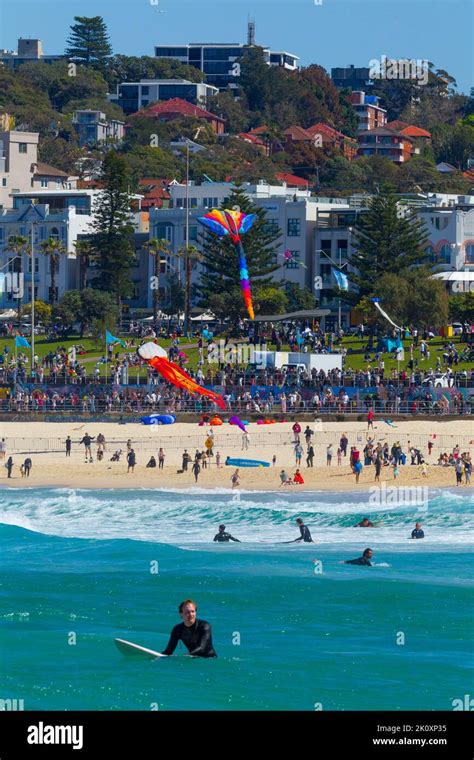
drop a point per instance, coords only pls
(305, 534)
(364, 560)
(195, 634)
(418, 532)
(222, 536)
(365, 523)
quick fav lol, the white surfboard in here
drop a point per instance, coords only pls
(129, 649)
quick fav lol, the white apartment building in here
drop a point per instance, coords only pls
(289, 212)
(59, 214)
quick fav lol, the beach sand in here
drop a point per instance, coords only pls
(44, 443)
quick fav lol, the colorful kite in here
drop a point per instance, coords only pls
(157, 358)
(233, 223)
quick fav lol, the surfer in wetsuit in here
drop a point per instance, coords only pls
(195, 634)
(418, 532)
(364, 560)
(305, 534)
(365, 523)
(222, 536)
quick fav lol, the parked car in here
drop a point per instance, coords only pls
(457, 328)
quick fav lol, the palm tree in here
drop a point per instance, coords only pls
(156, 247)
(19, 244)
(54, 249)
(191, 255)
(85, 255)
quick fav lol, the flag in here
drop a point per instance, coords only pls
(109, 338)
(341, 279)
(21, 342)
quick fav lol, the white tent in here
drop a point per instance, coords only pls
(8, 314)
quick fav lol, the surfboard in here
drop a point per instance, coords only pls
(246, 462)
(129, 649)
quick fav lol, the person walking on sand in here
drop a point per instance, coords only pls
(27, 465)
(186, 459)
(339, 457)
(310, 456)
(131, 459)
(87, 440)
(9, 466)
(370, 419)
(218, 460)
(68, 443)
(329, 455)
(161, 459)
(3, 449)
(245, 441)
(196, 469)
(235, 479)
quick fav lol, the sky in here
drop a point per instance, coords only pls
(327, 32)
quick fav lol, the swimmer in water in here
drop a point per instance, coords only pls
(195, 634)
(364, 560)
(417, 532)
(223, 537)
(365, 523)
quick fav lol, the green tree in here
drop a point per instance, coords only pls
(174, 301)
(222, 276)
(53, 249)
(272, 299)
(89, 42)
(43, 312)
(386, 241)
(461, 307)
(413, 297)
(84, 307)
(299, 298)
(113, 238)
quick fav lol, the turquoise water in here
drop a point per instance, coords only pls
(78, 564)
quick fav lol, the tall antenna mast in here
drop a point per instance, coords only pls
(251, 32)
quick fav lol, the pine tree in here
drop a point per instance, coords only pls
(89, 42)
(222, 276)
(113, 238)
(386, 240)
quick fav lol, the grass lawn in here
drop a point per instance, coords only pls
(354, 357)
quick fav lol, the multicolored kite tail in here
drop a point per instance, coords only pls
(156, 357)
(233, 223)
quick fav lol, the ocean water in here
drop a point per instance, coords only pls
(87, 566)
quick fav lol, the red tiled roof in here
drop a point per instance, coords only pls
(154, 182)
(469, 174)
(291, 179)
(158, 192)
(413, 131)
(298, 133)
(178, 106)
(397, 124)
(251, 138)
(258, 130)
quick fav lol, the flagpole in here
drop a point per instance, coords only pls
(106, 357)
(32, 298)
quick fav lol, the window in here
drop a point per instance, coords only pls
(469, 253)
(23, 147)
(145, 90)
(445, 254)
(439, 222)
(193, 232)
(36, 292)
(54, 233)
(164, 232)
(271, 227)
(4, 181)
(36, 265)
(44, 183)
(294, 227)
(294, 262)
